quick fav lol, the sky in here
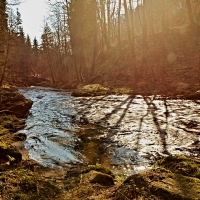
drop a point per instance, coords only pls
(33, 14)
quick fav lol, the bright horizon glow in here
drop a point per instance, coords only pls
(33, 13)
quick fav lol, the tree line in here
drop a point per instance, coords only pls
(113, 42)
(17, 54)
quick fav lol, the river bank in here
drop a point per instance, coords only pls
(20, 177)
(76, 182)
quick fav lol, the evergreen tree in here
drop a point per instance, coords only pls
(18, 21)
(47, 47)
(21, 36)
(28, 42)
(35, 56)
(47, 39)
(35, 45)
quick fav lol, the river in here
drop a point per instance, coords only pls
(125, 133)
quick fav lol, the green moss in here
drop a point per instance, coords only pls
(8, 153)
(26, 185)
(10, 124)
(181, 165)
(90, 90)
(159, 184)
(74, 175)
(97, 89)
(98, 168)
(177, 187)
(17, 183)
(75, 172)
(176, 178)
(4, 146)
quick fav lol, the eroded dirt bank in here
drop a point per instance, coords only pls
(14, 107)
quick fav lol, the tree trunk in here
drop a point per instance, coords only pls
(132, 30)
(189, 8)
(127, 21)
(51, 72)
(102, 20)
(108, 17)
(119, 27)
(94, 40)
(5, 61)
(76, 68)
(144, 31)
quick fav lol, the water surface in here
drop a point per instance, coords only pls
(125, 133)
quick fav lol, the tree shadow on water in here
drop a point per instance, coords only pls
(92, 102)
(151, 109)
(116, 109)
(124, 112)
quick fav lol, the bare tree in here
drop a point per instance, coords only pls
(127, 21)
(119, 25)
(189, 8)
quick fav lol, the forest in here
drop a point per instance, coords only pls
(149, 45)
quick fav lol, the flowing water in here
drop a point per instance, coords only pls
(124, 133)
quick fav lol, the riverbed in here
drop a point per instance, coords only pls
(124, 133)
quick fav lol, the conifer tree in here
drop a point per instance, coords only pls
(47, 47)
(28, 42)
(35, 56)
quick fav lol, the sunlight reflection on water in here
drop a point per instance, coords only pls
(126, 134)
